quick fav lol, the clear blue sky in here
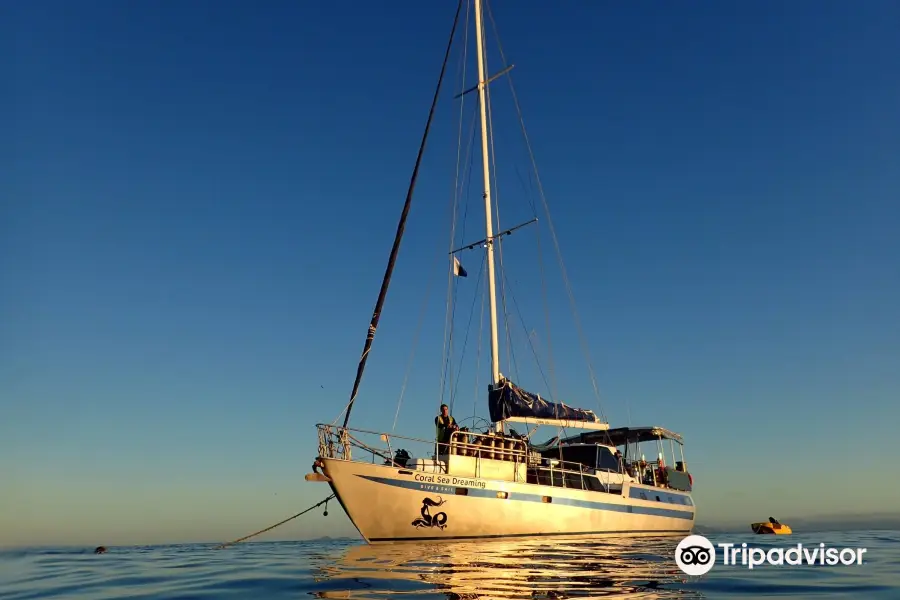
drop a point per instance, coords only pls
(198, 200)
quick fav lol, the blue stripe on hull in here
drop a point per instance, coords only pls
(660, 495)
(645, 532)
(524, 497)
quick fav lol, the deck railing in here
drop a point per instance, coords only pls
(567, 474)
(398, 451)
(339, 442)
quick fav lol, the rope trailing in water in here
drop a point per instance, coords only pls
(271, 527)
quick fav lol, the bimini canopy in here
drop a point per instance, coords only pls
(510, 401)
(622, 435)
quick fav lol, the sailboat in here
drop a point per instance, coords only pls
(498, 483)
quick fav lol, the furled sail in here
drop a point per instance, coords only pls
(509, 400)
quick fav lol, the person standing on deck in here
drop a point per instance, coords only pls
(444, 425)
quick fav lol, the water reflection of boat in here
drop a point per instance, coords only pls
(615, 567)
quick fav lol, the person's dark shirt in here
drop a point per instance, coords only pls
(443, 426)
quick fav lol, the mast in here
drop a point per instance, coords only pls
(488, 223)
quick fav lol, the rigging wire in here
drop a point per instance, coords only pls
(478, 351)
(278, 524)
(412, 352)
(480, 279)
(401, 226)
(528, 337)
(552, 389)
(510, 350)
(540, 187)
(451, 289)
(452, 286)
(461, 71)
(453, 283)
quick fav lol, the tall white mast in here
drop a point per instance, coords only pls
(488, 224)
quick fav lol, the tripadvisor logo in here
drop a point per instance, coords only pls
(696, 555)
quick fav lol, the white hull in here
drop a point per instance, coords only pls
(388, 504)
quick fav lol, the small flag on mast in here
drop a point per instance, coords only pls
(458, 268)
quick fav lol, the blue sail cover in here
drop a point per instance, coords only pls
(509, 400)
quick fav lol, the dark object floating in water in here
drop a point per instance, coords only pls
(100, 550)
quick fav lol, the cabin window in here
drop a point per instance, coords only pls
(586, 455)
(573, 480)
(592, 483)
(607, 461)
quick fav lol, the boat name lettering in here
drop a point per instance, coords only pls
(449, 480)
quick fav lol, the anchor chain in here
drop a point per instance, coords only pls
(271, 527)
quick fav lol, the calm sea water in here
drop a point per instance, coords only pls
(629, 568)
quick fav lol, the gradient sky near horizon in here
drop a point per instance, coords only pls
(198, 200)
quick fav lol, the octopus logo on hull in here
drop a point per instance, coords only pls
(438, 520)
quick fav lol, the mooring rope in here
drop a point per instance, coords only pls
(271, 527)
